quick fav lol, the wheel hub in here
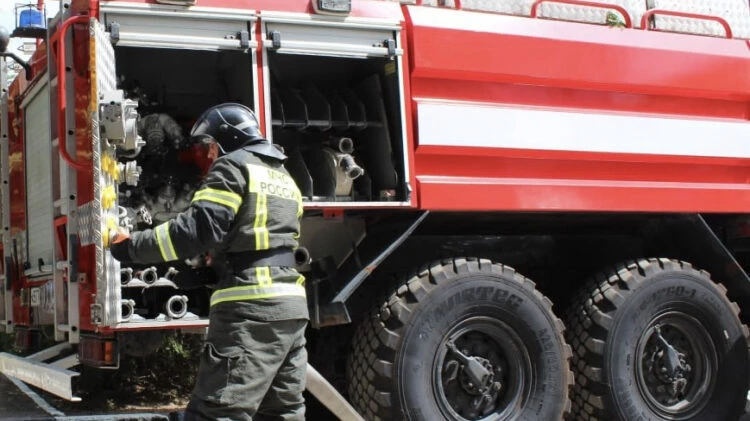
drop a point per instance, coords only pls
(669, 366)
(475, 369)
(476, 374)
(677, 365)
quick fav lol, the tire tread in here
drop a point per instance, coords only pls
(371, 363)
(590, 319)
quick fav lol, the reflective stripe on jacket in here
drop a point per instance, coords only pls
(247, 202)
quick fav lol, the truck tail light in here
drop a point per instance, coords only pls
(100, 352)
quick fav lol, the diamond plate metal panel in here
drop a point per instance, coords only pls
(552, 10)
(107, 268)
(85, 224)
(735, 12)
(105, 59)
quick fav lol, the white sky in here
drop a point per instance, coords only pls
(7, 18)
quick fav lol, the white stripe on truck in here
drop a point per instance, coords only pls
(495, 126)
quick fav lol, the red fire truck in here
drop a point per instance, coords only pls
(514, 209)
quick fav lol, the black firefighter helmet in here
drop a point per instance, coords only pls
(231, 125)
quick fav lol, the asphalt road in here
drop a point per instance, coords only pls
(20, 403)
(17, 405)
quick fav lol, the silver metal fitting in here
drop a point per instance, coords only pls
(119, 121)
(126, 275)
(149, 276)
(176, 306)
(171, 273)
(128, 309)
(130, 173)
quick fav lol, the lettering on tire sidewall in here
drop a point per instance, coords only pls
(515, 307)
(646, 305)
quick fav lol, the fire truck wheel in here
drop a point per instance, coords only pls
(462, 339)
(656, 340)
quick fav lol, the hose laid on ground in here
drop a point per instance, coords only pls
(319, 387)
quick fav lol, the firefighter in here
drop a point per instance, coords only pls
(246, 214)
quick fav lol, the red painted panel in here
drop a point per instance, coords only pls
(458, 178)
(459, 45)
(522, 163)
(585, 99)
(509, 60)
(85, 180)
(16, 161)
(473, 194)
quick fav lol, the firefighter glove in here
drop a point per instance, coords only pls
(119, 244)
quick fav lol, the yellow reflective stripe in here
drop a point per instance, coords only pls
(257, 292)
(263, 227)
(301, 280)
(265, 182)
(165, 242)
(263, 274)
(259, 225)
(228, 199)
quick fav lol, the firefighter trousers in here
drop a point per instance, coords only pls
(250, 369)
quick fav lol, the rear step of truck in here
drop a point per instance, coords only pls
(46, 369)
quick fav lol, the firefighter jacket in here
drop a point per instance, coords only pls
(247, 205)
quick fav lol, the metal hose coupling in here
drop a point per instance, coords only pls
(126, 275)
(171, 273)
(350, 167)
(176, 306)
(128, 309)
(149, 276)
(341, 144)
(301, 256)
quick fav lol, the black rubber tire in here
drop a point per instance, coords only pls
(395, 348)
(607, 323)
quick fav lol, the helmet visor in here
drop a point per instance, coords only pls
(201, 128)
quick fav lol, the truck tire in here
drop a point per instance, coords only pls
(412, 354)
(656, 340)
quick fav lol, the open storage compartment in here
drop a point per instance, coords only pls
(182, 82)
(339, 121)
(173, 87)
(336, 104)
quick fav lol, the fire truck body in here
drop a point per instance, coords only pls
(442, 151)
